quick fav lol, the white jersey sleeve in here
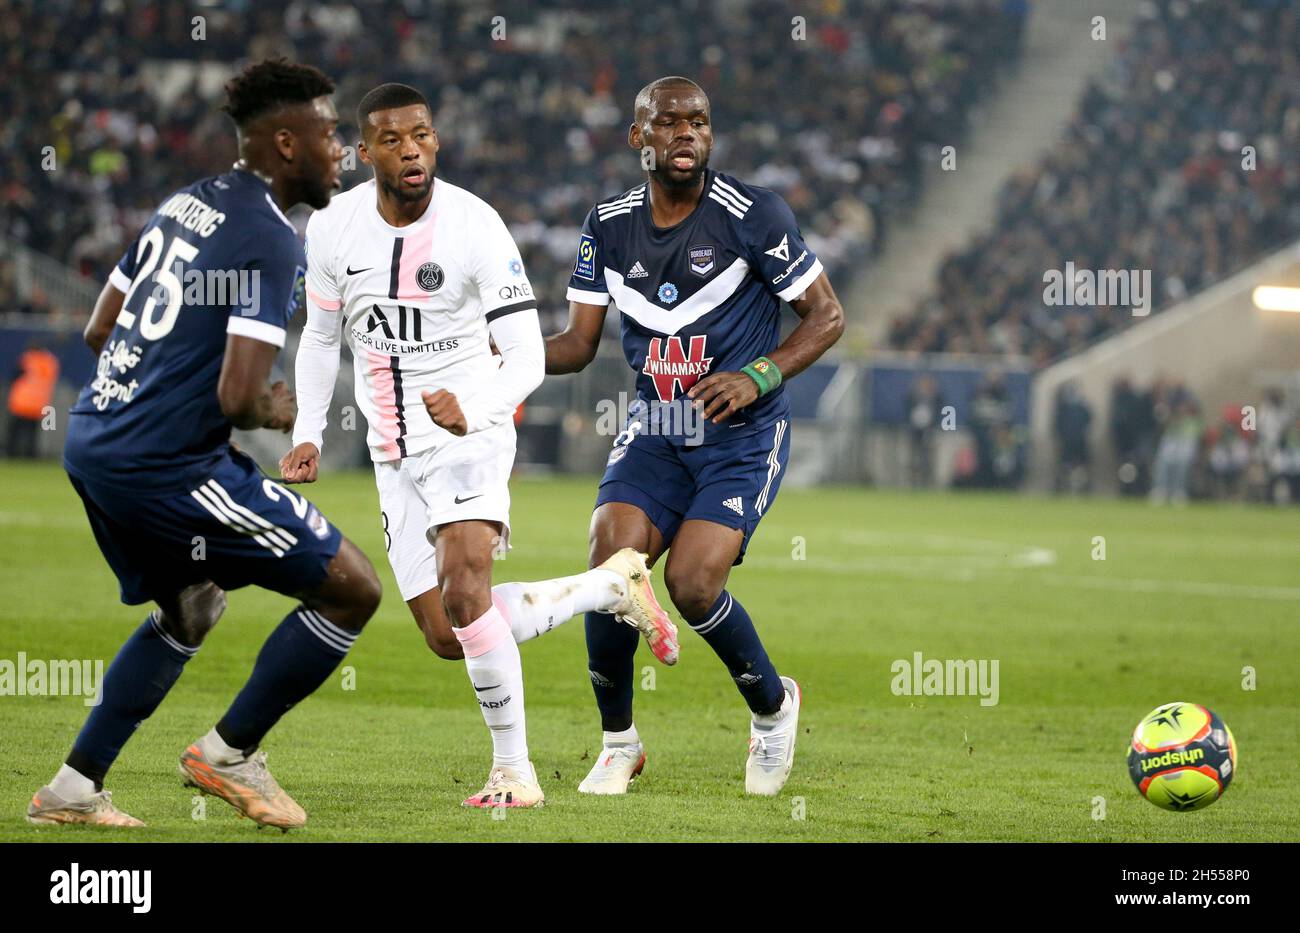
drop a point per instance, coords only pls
(510, 309)
(316, 367)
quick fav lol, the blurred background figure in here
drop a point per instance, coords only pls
(31, 395)
(1228, 455)
(1133, 432)
(1177, 450)
(924, 412)
(1073, 418)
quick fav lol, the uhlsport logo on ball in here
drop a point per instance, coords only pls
(1182, 757)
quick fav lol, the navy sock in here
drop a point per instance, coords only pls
(611, 647)
(134, 684)
(730, 632)
(303, 650)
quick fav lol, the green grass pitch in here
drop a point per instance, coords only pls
(841, 582)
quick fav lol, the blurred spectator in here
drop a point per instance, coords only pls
(1133, 432)
(990, 415)
(1229, 455)
(30, 395)
(110, 106)
(1177, 451)
(1285, 466)
(1183, 159)
(924, 413)
(1073, 418)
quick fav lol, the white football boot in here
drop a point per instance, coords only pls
(771, 747)
(641, 609)
(508, 787)
(616, 767)
(48, 807)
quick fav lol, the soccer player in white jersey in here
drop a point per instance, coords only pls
(417, 275)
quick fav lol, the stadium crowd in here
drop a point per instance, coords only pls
(113, 104)
(1170, 449)
(1183, 159)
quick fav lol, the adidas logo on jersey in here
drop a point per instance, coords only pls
(637, 271)
(781, 251)
(735, 505)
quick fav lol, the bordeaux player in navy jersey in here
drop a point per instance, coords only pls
(698, 264)
(187, 330)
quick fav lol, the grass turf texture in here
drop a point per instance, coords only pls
(1184, 599)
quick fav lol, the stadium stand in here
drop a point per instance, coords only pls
(534, 121)
(1152, 173)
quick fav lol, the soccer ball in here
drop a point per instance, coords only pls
(1182, 757)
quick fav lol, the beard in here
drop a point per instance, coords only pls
(408, 194)
(669, 177)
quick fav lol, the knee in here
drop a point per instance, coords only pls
(461, 601)
(693, 592)
(446, 647)
(367, 595)
(196, 612)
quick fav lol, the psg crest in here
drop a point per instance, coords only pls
(429, 276)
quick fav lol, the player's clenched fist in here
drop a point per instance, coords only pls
(301, 464)
(445, 411)
(720, 395)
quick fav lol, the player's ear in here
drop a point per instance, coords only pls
(363, 152)
(634, 138)
(284, 143)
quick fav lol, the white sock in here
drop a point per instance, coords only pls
(495, 672)
(216, 750)
(71, 784)
(627, 737)
(771, 719)
(532, 609)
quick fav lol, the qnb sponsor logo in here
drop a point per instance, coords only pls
(31, 677)
(953, 677)
(1083, 288)
(103, 886)
(1176, 757)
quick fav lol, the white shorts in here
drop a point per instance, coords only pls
(461, 479)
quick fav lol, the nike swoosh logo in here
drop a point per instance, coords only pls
(481, 689)
(460, 501)
(352, 271)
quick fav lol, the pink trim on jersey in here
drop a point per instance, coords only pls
(325, 304)
(383, 393)
(483, 634)
(417, 249)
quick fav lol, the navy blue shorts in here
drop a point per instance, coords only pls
(236, 528)
(732, 482)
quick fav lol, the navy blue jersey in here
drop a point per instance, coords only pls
(216, 258)
(702, 296)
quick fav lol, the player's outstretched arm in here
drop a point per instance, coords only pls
(107, 307)
(720, 395)
(246, 399)
(315, 372)
(574, 347)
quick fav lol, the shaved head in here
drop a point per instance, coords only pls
(645, 97)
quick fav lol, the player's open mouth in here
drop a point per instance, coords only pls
(413, 176)
(682, 160)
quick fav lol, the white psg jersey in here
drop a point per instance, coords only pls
(414, 303)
